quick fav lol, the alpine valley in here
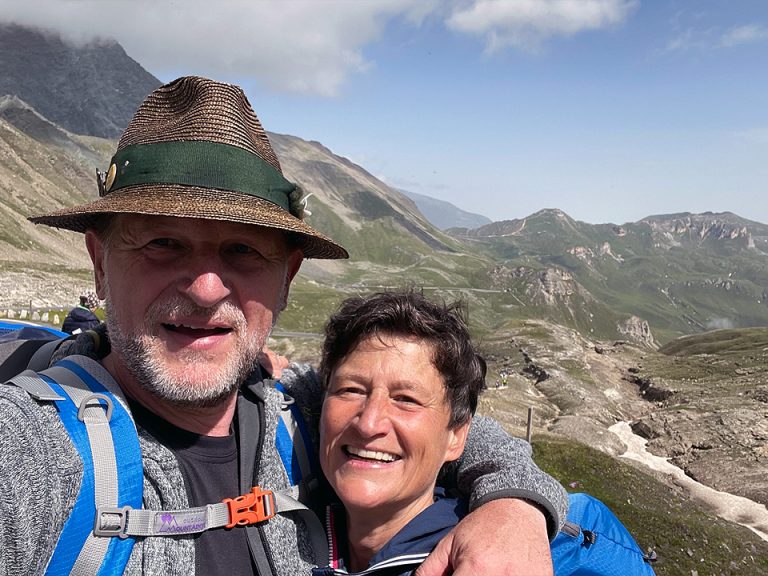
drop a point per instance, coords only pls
(655, 327)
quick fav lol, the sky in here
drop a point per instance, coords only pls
(610, 110)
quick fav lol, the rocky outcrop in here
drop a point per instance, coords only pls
(637, 330)
(699, 228)
(724, 449)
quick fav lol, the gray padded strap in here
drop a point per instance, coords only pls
(35, 386)
(93, 414)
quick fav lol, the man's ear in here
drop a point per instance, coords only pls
(295, 258)
(96, 252)
(456, 440)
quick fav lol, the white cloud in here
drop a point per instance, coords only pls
(744, 35)
(303, 46)
(713, 38)
(720, 324)
(528, 23)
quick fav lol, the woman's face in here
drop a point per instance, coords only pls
(384, 431)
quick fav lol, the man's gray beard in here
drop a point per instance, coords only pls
(136, 353)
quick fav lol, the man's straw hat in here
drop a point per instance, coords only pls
(195, 149)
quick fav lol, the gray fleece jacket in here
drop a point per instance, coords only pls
(40, 475)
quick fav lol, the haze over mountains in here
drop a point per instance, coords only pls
(572, 312)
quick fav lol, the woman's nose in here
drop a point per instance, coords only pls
(374, 416)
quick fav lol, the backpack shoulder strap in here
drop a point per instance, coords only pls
(99, 534)
(294, 444)
(100, 426)
(41, 359)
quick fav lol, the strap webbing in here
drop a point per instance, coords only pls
(103, 433)
(288, 503)
(42, 356)
(294, 445)
(97, 426)
(36, 387)
(134, 522)
(96, 416)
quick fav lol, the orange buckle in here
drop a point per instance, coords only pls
(256, 506)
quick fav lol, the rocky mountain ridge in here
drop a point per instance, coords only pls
(91, 89)
(571, 313)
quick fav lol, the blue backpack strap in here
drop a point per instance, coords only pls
(594, 542)
(294, 444)
(102, 430)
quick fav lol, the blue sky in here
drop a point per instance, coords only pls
(610, 110)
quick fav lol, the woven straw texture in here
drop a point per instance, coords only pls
(197, 109)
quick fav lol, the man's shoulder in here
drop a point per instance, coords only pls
(38, 463)
(33, 442)
(16, 404)
(302, 382)
(20, 414)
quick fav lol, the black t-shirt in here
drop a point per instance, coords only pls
(209, 466)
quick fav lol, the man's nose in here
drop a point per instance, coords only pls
(205, 282)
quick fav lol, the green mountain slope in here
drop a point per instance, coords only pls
(681, 273)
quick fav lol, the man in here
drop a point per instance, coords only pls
(81, 317)
(195, 240)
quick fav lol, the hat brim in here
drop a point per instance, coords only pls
(193, 202)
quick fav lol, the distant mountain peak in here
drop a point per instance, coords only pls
(445, 215)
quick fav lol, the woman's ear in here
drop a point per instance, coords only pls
(457, 437)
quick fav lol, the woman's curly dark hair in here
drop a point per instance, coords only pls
(410, 314)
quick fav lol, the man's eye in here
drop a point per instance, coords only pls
(242, 249)
(406, 399)
(161, 242)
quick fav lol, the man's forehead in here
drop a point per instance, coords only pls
(195, 226)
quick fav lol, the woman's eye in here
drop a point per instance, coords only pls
(347, 391)
(406, 399)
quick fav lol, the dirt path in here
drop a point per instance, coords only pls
(727, 506)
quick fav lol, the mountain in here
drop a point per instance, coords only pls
(582, 321)
(680, 273)
(445, 215)
(92, 89)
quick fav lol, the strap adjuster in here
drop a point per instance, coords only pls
(256, 506)
(111, 522)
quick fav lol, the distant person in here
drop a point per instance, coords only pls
(82, 316)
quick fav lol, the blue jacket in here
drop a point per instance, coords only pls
(409, 547)
(594, 542)
(80, 318)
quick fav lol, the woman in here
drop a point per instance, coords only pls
(401, 385)
(402, 381)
